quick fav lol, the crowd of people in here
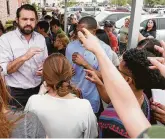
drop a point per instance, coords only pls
(74, 85)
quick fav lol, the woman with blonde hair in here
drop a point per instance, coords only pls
(61, 42)
(62, 114)
(17, 124)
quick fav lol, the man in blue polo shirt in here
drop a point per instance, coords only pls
(88, 89)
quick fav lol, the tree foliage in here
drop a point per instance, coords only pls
(119, 2)
(146, 2)
(71, 3)
(35, 5)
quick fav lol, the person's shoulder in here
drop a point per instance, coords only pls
(30, 116)
(75, 43)
(38, 35)
(104, 45)
(27, 125)
(31, 119)
(36, 97)
(8, 35)
(83, 102)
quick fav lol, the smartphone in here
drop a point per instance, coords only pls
(158, 96)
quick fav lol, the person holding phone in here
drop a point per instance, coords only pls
(159, 63)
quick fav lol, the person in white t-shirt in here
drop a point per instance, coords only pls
(62, 114)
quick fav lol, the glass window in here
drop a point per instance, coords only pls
(161, 23)
(119, 16)
(112, 17)
(101, 17)
(89, 9)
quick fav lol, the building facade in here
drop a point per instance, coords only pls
(8, 10)
(43, 3)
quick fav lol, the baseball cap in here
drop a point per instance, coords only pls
(108, 23)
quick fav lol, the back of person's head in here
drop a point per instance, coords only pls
(53, 13)
(43, 25)
(57, 72)
(102, 35)
(90, 22)
(48, 18)
(63, 38)
(5, 125)
(149, 44)
(10, 28)
(27, 7)
(2, 27)
(108, 23)
(55, 22)
(44, 12)
(137, 63)
(15, 24)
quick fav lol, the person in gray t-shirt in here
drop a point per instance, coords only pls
(28, 126)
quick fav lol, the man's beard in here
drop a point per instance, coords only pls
(26, 31)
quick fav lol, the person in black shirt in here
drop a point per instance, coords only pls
(60, 43)
(43, 28)
(150, 29)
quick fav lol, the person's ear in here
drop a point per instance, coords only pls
(93, 31)
(129, 80)
(16, 20)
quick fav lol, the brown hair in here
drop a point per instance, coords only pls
(63, 38)
(57, 72)
(5, 125)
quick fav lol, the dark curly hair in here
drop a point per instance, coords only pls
(138, 64)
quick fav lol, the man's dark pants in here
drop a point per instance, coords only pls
(21, 96)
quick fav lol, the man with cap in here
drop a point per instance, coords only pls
(108, 27)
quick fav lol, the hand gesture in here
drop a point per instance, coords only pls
(31, 52)
(92, 76)
(78, 59)
(159, 111)
(89, 41)
(159, 62)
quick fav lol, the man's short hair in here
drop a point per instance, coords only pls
(48, 18)
(27, 7)
(138, 64)
(44, 12)
(73, 17)
(148, 44)
(108, 23)
(43, 25)
(55, 22)
(89, 21)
